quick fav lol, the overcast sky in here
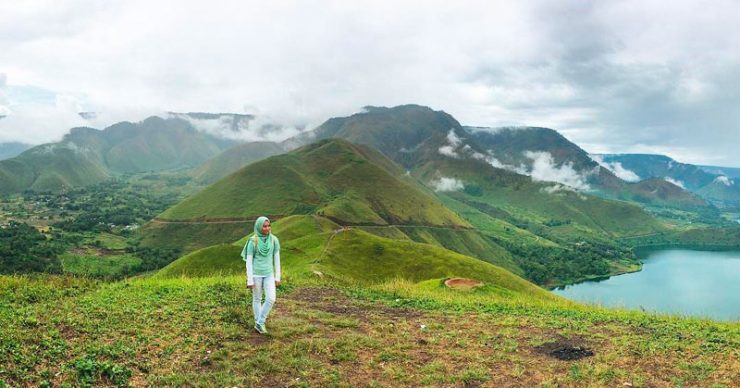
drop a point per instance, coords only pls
(615, 76)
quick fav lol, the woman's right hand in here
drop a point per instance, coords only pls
(250, 285)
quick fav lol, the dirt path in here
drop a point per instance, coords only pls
(365, 343)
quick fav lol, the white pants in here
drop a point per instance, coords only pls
(261, 310)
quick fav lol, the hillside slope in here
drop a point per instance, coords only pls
(333, 178)
(717, 185)
(197, 331)
(233, 159)
(86, 156)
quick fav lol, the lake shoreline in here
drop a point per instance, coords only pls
(673, 280)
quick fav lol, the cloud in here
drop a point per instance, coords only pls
(230, 126)
(724, 180)
(544, 169)
(447, 184)
(553, 189)
(453, 143)
(491, 159)
(616, 168)
(608, 75)
(675, 182)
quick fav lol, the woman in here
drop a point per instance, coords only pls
(262, 254)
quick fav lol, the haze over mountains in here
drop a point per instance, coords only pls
(87, 156)
(12, 149)
(715, 184)
(410, 135)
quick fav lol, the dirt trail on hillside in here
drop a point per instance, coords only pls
(372, 342)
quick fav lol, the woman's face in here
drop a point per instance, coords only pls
(266, 227)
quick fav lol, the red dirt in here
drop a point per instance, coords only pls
(463, 283)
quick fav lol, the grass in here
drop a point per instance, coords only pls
(196, 331)
(99, 266)
(361, 188)
(353, 256)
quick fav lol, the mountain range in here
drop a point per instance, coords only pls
(12, 149)
(524, 199)
(717, 185)
(498, 216)
(87, 156)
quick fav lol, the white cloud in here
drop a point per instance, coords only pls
(553, 189)
(453, 143)
(610, 75)
(616, 168)
(229, 126)
(447, 184)
(724, 180)
(675, 182)
(544, 169)
(491, 159)
(448, 151)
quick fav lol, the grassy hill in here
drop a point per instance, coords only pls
(333, 178)
(197, 331)
(406, 134)
(413, 135)
(522, 200)
(51, 167)
(551, 237)
(86, 156)
(233, 159)
(310, 245)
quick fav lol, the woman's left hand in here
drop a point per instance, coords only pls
(277, 283)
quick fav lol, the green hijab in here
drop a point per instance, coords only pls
(264, 241)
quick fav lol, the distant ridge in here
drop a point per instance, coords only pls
(718, 185)
(12, 149)
(86, 155)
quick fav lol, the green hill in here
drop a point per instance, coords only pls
(51, 167)
(311, 245)
(530, 228)
(332, 178)
(406, 134)
(233, 159)
(86, 156)
(412, 135)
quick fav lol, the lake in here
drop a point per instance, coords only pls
(676, 281)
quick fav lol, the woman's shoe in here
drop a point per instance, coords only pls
(260, 328)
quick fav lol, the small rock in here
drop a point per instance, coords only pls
(627, 384)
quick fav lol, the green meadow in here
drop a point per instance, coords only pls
(196, 331)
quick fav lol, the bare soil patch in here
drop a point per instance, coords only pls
(335, 302)
(462, 283)
(565, 350)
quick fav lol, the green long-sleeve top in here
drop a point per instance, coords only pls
(261, 265)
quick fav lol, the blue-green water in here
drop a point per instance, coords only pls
(675, 281)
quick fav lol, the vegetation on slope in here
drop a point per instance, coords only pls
(335, 178)
(197, 332)
(86, 156)
(233, 159)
